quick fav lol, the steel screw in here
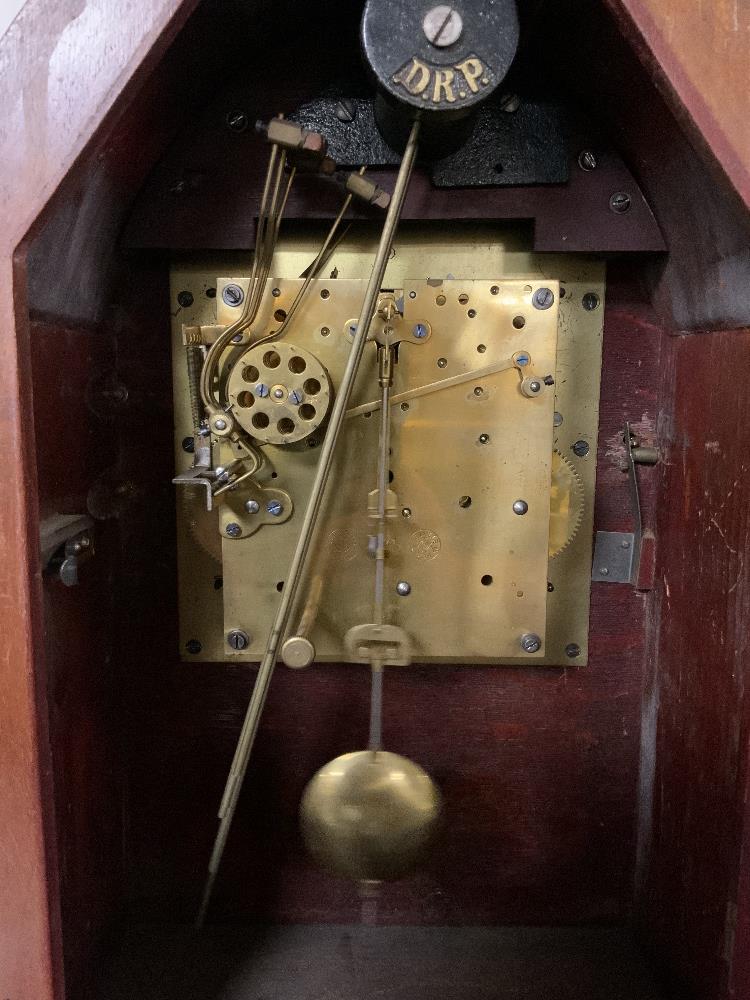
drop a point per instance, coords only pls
(406, 512)
(442, 362)
(188, 445)
(587, 160)
(252, 506)
(479, 391)
(531, 643)
(346, 110)
(193, 646)
(543, 298)
(261, 390)
(275, 508)
(233, 530)
(442, 25)
(581, 448)
(420, 331)
(572, 650)
(220, 424)
(590, 301)
(238, 639)
(185, 299)
(278, 393)
(403, 588)
(620, 202)
(233, 295)
(510, 103)
(484, 438)
(296, 396)
(604, 570)
(236, 121)
(535, 386)
(520, 506)
(522, 360)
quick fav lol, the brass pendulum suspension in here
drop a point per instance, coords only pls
(372, 815)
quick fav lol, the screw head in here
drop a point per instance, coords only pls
(479, 391)
(522, 360)
(188, 445)
(261, 390)
(406, 512)
(346, 110)
(412, 294)
(483, 438)
(586, 160)
(220, 424)
(185, 299)
(520, 506)
(572, 650)
(557, 419)
(604, 571)
(232, 295)
(238, 640)
(535, 386)
(193, 647)
(620, 202)
(442, 362)
(543, 298)
(252, 506)
(590, 301)
(233, 530)
(419, 331)
(237, 121)
(296, 396)
(530, 642)
(442, 25)
(278, 393)
(403, 588)
(581, 448)
(275, 508)
(510, 103)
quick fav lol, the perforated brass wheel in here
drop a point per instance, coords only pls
(279, 393)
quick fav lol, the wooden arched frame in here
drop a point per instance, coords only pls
(51, 120)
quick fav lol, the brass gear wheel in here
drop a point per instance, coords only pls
(566, 504)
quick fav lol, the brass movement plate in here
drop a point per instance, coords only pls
(461, 455)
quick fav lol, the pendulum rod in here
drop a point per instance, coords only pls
(265, 671)
(385, 377)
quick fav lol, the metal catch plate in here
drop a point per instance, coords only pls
(461, 456)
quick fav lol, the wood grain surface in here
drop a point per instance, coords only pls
(62, 66)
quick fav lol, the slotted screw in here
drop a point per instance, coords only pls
(620, 202)
(543, 298)
(531, 643)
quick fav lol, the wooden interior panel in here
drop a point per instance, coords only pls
(697, 687)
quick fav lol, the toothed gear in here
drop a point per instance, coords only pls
(566, 504)
(202, 524)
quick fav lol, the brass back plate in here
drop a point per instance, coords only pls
(461, 456)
